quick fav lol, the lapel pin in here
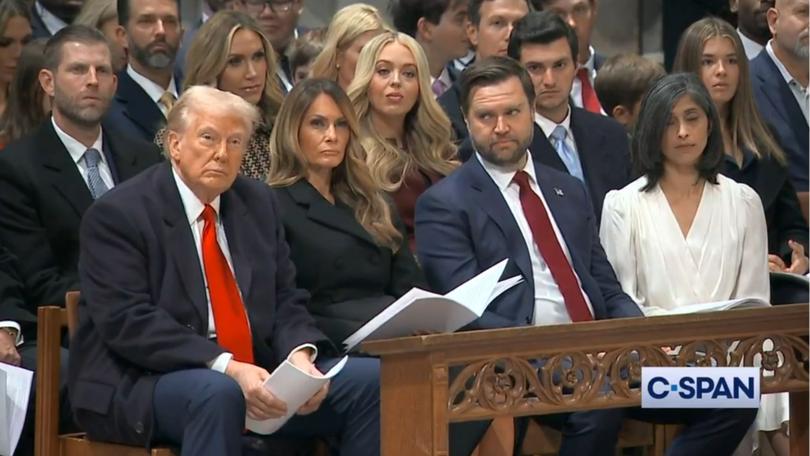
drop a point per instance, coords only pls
(558, 191)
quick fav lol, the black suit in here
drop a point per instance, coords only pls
(351, 277)
(12, 297)
(38, 29)
(42, 200)
(450, 101)
(603, 150)
(133, 112)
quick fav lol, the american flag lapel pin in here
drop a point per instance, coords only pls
(558, 191)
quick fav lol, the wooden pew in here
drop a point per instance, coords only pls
(497, 379)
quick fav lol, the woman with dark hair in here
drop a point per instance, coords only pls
(27, 105)
(682, 233)
(346, 241)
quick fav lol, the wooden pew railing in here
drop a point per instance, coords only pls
(499, 375)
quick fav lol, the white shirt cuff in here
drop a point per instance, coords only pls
(302, 346)
(220, 363)
(16, 326)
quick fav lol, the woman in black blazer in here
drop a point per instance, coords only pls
(348, 246)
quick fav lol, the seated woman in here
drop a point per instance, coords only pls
(348, 32)
(28, 105)
(230, 52)
(343, 236)
(15, 32)
(682, 233)
(711, 49)
(405, 133)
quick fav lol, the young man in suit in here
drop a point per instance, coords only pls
(779, 76)
(502, 203)
(190, 300)
(488, 29)
(148, 88)
(49, 178)
(438, 25)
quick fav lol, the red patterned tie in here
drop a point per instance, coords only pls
(589, 99)
(230, 317)
(543, 233)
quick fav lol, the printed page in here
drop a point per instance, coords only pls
(18, 389)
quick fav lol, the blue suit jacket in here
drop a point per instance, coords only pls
(603, 150)
(464, 226)
(144, 309)
(779, 109)
(133, 112)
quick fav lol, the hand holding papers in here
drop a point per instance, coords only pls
(294, 387)
(420, 310)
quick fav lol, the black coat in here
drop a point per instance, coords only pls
(13, 305)
(350, 277)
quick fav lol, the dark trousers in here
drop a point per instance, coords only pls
(203, 411)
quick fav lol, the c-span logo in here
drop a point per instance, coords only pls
(699, 387)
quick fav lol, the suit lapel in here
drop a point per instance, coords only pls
(319, 210)
(138, 106)
(543, 152)
(781, 97)
(236, 221)
(492, 202)
(587, 142)
(60, 165)
(125, 160)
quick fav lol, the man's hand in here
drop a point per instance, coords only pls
(798, 259)
(261, 404)
(301, 359)
(775, 264)
(8, 349)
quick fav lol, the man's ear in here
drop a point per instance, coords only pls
(772, 15)
(173, 145)
(424, 30)
(622, 115)
(46, 81)
(733, 5)
(472, 33)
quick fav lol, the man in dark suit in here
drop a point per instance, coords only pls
(591, 147)
(189, 296)
(779, 76)
(148, 87)
(490, 23)
(278, 20)
(50, 16)
(49, 178)
(500, 204)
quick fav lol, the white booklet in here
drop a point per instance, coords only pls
(420, 310)
(15, 387)
(741, 303)
(294, 387)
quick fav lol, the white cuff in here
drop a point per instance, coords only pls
(16, 326)
(301, 347)
(220, 363)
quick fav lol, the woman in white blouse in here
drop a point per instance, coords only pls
(682, 233)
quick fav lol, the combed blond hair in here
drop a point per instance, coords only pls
(210, 100)
(346, 26)
(744, 122)
(428, 134)
(351, 181)
(208, 56)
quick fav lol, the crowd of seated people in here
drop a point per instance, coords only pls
(248, 192)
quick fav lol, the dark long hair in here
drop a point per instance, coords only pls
(24, 110)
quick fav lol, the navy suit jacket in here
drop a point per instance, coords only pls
(450, 101)
(38, 29)
(133, 112)
(603, 150)
(144, 310)
(779, 109)
(464, 226)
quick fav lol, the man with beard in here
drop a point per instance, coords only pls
(50, 16)
(752, 24)
(779, 77)
(278, 20)
(49, 178)
(148, 88)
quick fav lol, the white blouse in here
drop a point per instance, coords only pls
(723, 256)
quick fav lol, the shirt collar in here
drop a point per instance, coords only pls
(74, 147)
(590, 62)
(548, 125)
(192, 205)
(751, 47)
(503, 177)
(150, 87)
(52, 23)
(782, 70)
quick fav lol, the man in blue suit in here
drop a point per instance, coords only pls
(189, 300)
(779, 76)
(503, 204)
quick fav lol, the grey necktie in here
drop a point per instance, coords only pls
(97, 186)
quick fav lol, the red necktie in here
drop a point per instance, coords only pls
(535, 212)
(589, 99)
(230, 317)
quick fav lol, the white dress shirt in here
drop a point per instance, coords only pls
(194, 208)
(751, 47)
(152, 89)
(799, 92)
(549, 305)
(52, 23)
(547, 126)
(576, 87)
(77, 150)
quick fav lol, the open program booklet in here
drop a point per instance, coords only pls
(741, 303)
(422, 311)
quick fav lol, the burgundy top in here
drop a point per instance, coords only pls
(413, 185)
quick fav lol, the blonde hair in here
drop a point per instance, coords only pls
(744, 122)
(208, 56)
(207, 99)
(428, 134)
(351, 182)
(95, 13)
(346, 26)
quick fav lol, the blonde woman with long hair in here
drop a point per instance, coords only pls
(231, 53)
(348, 32)
(347, 244)
(405, 133)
